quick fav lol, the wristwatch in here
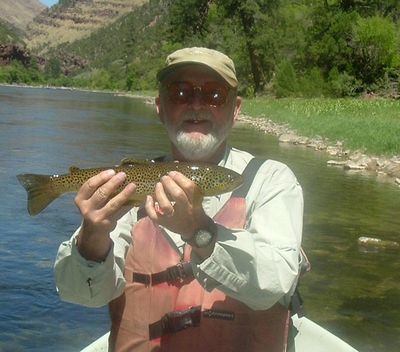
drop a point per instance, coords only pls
(203, 236)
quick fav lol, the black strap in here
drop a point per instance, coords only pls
(175, 321)
(175, 274)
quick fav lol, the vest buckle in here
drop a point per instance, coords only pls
(179, 272)
(176, 321)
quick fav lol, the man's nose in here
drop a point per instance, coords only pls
(197, 100)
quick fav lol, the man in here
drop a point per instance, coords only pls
(184, 275)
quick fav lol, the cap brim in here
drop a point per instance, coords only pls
(164, 72)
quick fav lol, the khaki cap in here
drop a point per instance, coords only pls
(217, 61)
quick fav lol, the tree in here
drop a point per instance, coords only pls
(376, 48)
(187, 18)
(53, 68)
(256, 18)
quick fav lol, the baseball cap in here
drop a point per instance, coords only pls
(215, 60)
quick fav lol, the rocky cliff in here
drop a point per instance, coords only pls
(74, 19)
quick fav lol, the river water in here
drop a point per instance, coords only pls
(355, 295)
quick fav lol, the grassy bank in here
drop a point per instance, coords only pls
(370, 125)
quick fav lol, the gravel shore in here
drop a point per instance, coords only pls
(383, 167)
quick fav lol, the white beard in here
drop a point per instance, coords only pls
(196, 149)
(201, 147)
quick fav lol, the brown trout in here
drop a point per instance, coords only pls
(211, 179)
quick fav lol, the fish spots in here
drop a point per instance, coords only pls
(211, 179)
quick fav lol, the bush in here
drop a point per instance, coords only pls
(17, 73)
(285, 83)
(100, 79)
(376, 48)
(312, 84)
(341, 84)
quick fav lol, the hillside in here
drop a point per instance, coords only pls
(71, 20)
(8, 34)
(18, 13)
(301, 48)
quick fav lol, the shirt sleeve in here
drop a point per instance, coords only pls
(259, 265)
(90, 283)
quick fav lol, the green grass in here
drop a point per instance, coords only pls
(370, 125)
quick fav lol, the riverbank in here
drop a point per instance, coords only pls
(385, 167)
(356, 160)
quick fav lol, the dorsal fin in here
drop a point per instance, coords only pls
(131, 161)
(74, 169)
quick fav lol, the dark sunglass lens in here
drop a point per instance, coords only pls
(214, 93)
(180, 92)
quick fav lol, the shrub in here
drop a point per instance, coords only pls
(375, 44)
(342, 84)
(285, 83)
(312, 84)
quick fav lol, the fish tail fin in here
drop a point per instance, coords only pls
(40, 192)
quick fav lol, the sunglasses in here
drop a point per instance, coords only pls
(210, 93)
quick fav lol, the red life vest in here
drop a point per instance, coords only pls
(164, 308)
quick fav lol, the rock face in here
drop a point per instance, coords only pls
(11, 52)
(68, 63)
(73, 20)
(18, 13)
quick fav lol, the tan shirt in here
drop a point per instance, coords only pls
(258, 265)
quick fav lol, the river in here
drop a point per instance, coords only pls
(355, 295)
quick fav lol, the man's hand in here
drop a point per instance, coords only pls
(100, 212)
(177, 205)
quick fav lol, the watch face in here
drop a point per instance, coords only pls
(203, 238)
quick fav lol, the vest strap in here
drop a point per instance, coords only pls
(174, 274)
(173, 322)
(248, 175)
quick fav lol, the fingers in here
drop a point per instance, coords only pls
(120, 200)
(160, 205)
(191, 192)
(156, 213)
(172, 204)
(149, 205)
(101, 192)
(101, 187)
(164, 194)
(104, 193)
(90, 187)
(173, 193)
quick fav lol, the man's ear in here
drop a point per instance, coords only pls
(158, 108)
(238, 106)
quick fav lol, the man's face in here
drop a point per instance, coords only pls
(198, 109)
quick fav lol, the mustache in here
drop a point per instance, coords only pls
(197, 116)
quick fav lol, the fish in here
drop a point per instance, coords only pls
(211, 179)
